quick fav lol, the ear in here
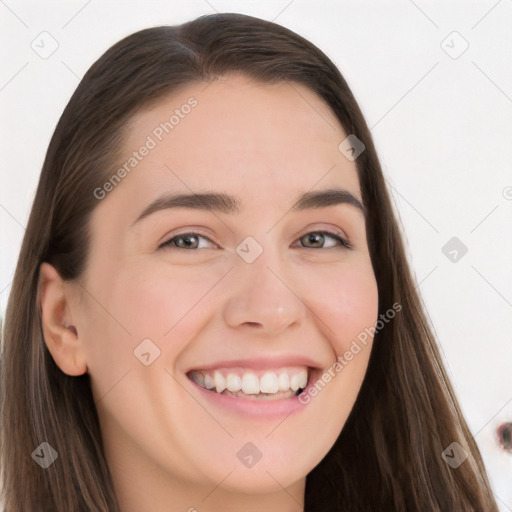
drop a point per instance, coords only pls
(61, 337)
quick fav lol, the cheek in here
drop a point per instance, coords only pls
(348, 304)
(347, 308)
(160, 300)
(155, 301)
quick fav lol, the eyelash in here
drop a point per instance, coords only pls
(344, 243)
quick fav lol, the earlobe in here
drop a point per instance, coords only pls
(60, 335)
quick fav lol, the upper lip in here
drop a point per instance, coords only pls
(261, 363)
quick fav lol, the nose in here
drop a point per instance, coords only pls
(264, 297)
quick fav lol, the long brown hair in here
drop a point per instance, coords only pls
(388, 455)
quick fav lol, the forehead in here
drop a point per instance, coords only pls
(260, 141)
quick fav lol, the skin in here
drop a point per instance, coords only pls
(169, 448)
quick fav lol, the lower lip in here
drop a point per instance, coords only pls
(256, 407)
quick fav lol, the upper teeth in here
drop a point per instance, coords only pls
(249, 383)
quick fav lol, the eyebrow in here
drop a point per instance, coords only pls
(228, 204)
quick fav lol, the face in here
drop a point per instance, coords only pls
(263, 296)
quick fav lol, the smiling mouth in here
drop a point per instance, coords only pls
(274, 384)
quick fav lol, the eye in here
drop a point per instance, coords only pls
(184, 241)
(191, 240)
(316, 237)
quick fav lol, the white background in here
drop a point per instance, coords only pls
(442, 127)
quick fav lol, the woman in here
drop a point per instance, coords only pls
(253, 371)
